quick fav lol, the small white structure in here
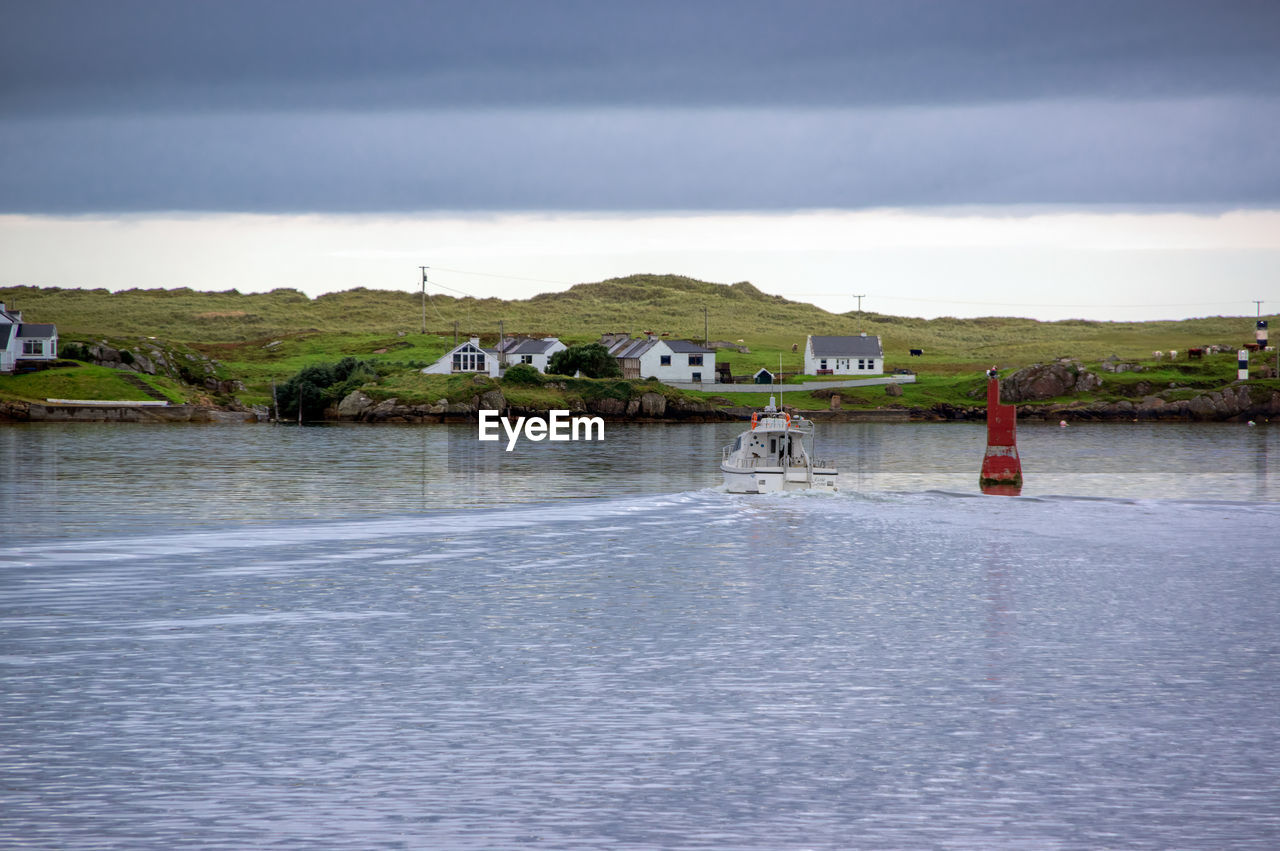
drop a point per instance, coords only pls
(466, 357)
(24, 341)
(676, 361)
(860, 355)
(536, 353)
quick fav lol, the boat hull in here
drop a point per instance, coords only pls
(777, 479)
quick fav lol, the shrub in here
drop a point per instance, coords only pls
(522, 374)
(75, 351)
(591, 359)
(318, 386)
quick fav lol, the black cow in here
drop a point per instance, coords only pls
(915, 353)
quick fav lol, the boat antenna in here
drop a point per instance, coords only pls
(780, 405)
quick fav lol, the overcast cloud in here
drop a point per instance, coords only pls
(411, 106)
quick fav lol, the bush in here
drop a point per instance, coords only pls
(318, 386)
(523, 374)
(591, 359)
(75, 351)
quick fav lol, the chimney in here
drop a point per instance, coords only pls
(475, 341)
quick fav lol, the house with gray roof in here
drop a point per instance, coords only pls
(470, 357)
(830, 355)
(24, 341)
(669, 361)
(536, 353)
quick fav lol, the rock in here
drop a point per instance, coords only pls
(893, 390)
(491, 400)
(608, 406)
(459, 409)
(355, 404)
(653, 405)
(1046, 381)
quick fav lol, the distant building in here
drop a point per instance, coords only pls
(24, 341)
(860, 355)
(466, 357)
(678, 361)
(470, 357)
(535, 353)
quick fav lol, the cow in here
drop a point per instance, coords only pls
(1195, 354)
(915, 353)
(1157, 355)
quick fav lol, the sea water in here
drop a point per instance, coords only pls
(226, 637)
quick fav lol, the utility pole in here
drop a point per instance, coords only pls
(860, 298)
(1259, 304)
(706, 328)
(424, 297)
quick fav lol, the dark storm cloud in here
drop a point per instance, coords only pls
(600, 105)
(158, 54)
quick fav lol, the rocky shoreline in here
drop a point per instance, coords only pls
(648, 407)
(1041, 392)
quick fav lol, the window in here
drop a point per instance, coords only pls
(697, 376)
(526, 359)
(822, 364)
(33, 347)
(468, 360)
(664, 360)
(862, 364)
(695, 360)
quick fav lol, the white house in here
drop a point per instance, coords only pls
(466, 357)
(666, 360)
(536, 353)
(24, 341)
(860, 355)
(470, 357)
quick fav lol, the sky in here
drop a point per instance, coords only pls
(1106, 160)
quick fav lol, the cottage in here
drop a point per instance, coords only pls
(678, 361)
(536, 353)
(24, 342)
(860, 355)
(467, 357)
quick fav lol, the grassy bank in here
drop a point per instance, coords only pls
(94, 383)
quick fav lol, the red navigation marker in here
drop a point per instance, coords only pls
(1001, 468)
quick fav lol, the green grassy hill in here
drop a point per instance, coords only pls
(664, 303)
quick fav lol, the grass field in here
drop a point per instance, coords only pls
(265, 338)
(96, 383)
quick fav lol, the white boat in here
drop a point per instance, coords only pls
(776, 454)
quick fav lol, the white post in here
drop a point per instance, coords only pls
(1242, 365)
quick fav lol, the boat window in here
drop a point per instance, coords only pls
(737, 444)
(773, 445)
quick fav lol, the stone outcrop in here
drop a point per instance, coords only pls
(1047, 381)
(34, 412)
(653, 405)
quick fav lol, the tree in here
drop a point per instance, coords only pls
(318, 386)
(591, 359)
